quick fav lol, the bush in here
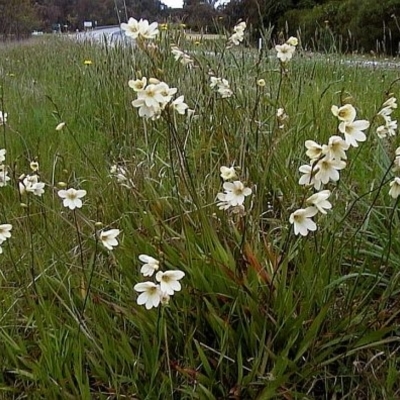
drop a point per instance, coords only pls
(348, 26)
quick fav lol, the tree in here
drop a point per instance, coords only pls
(17, 18)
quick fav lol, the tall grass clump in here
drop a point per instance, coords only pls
(196, 220)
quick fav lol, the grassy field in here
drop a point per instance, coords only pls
(263, 313)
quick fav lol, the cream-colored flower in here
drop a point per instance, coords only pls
(352, 131)
(329, 169)
(314, 150)
(336, 148)
(302, 222)
(109, 238)
(72, 198)
(309, 176)
(132, 28)
(395, 188)
(285, 52)
(320, 201)
(346, 113)
(60, 126)
(227, 173)
(150, 265)
(138, 84)
(169, 281)
(235, 192)
(150, 294)
(5, 232)
(292, 41)
(179, 105)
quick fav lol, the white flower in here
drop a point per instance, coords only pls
(60, 126)
(152, 96)
(385, 113)
(179, 106)
(5, 232)
(320, 201)
(389, 129)
(132, 28)
(222, 86)
(148, 31)
(285, 51)
(328, 169)
(235, 192)
(150, 265)
(395, 188)
(292, 41)
(169, 281)
(3, 118)
(214, 81)
(227, 173)
(352, 131)
(236, 38)
(302, 222)
(346, 113)
(336, 148)
(222, 204)
(151, 294)
(314, 150)
(145, 111)
(240, 27)
(138, 84)
(2, 155)
(396, 162)
(309, 176)
(4, 178)
(108, 238)
(184, 58)
(281, 114)
(391, 102)
(72, 198)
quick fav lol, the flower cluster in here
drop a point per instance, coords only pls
(285, 51)
(389, 127)
(325, 163)
(153, 96)
(4, 234)
(3, 118)
(152, 294)
(184, 58)
(281, 117)
(140, 29)
(120, 174)
(234, 192)
(222, 86)
(238, 35)
(31, 184)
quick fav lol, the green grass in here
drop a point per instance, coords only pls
(262, 313)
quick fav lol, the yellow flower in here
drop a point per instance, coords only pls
(197, 43)
(182, 25)
(164, 27)
(88, 62)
